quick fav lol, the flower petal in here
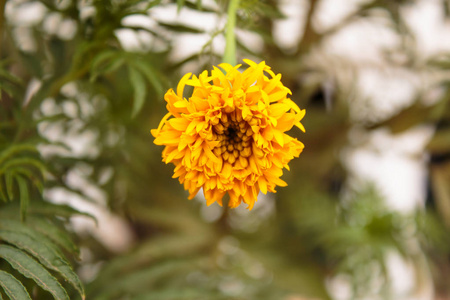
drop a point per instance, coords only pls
(229, 135)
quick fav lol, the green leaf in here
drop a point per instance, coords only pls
(27, 173)
(180, 28)
(24, 197)
(16, 149)
(140, 91)
(9, 89)
(155, 249)
(198, 5)
(146, 278)
(104, 58)
(109, 67)
(5, 75)
(60, 210)
(18, 227)
(114, 65)
(2, 192)
(181, 294)
(33, 63)
(180, 4)
(151, 4)
(12, 287)
(46, 255)
(9, 185)
(23, 161)
(41, 226)
(151, 75)
(55, 234)
(32, 269)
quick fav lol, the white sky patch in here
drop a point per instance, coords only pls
(395, 163)
(332, 12)
(383, 92)
(432, 30)
(249, 39)
(362, 41)
(128, 39)
(25, 14)
(288, 31)
(403, 277)
(139, 21)
(200, 20)
(189, 44)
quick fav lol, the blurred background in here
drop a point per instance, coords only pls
(365, 215)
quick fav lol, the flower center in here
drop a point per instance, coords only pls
(235, 137)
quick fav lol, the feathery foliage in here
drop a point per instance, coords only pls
(82, 84)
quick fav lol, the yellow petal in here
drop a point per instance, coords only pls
(279, 137)
(182, 84)
(179, 123)
(278, 109)
(300, 126)
(262, 185)
(277, 96)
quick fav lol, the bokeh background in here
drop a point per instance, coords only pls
(365, 215)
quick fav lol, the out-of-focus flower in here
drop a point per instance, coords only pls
(229, 136)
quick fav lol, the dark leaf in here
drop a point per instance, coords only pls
(140, 90)
(12, 287)
(45, 253)
(24, 197)
(180, 28)
(32, 269)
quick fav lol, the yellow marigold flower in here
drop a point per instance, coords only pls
(229, 136)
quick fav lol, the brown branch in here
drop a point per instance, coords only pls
(2, 18)
(310, 36)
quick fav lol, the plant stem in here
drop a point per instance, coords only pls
(230, 47)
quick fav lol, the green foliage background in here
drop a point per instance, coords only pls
(89, 88)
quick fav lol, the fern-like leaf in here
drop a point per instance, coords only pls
(46, 255)
(55, 234)
(140, 91)
(12, 287)
(30, 268)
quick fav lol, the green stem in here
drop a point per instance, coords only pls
(230, 47)
(2, 18)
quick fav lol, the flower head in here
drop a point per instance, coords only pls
(229, 136)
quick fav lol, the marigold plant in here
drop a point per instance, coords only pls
(229, 136)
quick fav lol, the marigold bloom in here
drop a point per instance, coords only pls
(229, 136)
